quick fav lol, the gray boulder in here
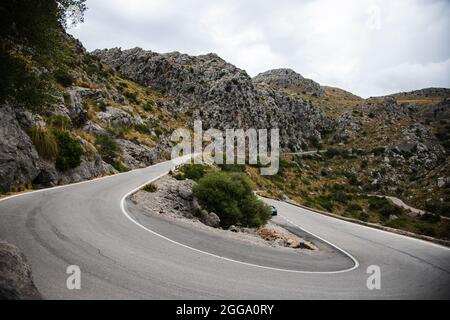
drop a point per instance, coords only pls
(211, 219)
(16, 281)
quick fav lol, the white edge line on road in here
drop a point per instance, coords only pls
(122, 206)
(368, 227)
(356, 263)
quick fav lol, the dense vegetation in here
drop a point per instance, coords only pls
(59, 145)
(340, 181)
(31, 34)
(45, 143)
(70, 150)
(230, 196)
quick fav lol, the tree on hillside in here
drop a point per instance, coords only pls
(31, 31)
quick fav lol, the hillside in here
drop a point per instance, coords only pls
(113, 110)
(96, 123)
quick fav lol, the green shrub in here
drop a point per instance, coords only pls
(314, 142)
(230, 196)
(352, 178)
(63, 77)
(437, 207)
(364, 164)
(148, 106)
(332, 152)
(158, 131)
(119, 166)
(45, 143)
(92, 69)
(70, 150)
(325, 202)
(378, 151)
(179, 176)
(150, 188)
(107, 147)
(431, 218)
(426, 230)
(194, 171)
(232, 167)
(142, 128)
(354, 207)
(60, 122)
(102, 105)
(21, 85)
(340, 196)
(384, 207)
(131, 96)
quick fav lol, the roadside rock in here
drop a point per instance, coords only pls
(210, 219)
(16, 281)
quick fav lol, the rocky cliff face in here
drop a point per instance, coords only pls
(115, 122)
(220, 94)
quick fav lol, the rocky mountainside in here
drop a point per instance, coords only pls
(96, 123)
(218, 93)
(122, 105)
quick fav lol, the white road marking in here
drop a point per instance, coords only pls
(122, 206)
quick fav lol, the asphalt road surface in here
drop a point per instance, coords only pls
(124, 254)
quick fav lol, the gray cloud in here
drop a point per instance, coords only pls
(367, 47)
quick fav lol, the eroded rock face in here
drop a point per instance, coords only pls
(219, 94)
(16, 282)
(21, 165)
(137, 155)
(78, 112)
(19, 161)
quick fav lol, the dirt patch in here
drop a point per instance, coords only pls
(281, 237)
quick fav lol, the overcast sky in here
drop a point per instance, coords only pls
(367, 47)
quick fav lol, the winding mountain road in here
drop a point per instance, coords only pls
(124, 254)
